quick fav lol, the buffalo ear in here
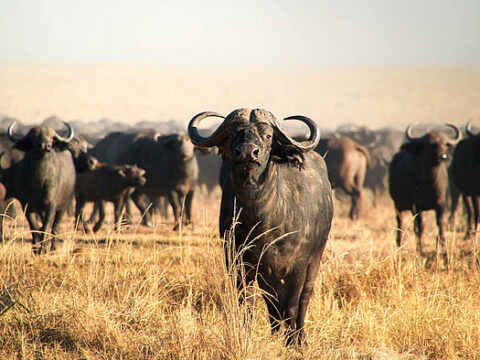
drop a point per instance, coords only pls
(287, 154)
(24, 144)
(60, 145)
(412, 147)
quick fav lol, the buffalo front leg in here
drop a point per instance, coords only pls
(295, 285)
(118, 206)
(47, 225)
(34, 228)
(441, 236)
(274, 296)
(101, 215)
(56, 222)
(467, 202)
(418, 228)
(188, 207)
(140, 201)
(400, 227)
(305, 296)
(79, 215)
(176, 207)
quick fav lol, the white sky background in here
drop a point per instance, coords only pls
(348, 32)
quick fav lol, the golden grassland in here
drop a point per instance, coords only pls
(158, 294)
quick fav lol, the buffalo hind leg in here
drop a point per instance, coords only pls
(454, 197)
(476, 216)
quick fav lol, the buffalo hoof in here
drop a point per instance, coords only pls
(147, 223)
(37, 249)
(443, 261)
(186, 223)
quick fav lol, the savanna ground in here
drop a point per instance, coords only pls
(158, 294)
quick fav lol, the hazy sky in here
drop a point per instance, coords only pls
(318, 32)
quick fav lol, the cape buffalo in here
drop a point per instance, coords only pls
(347, 163)
(43, 181)
(464, 174)
(106, 183)
(170, 164)
(418, 181)
(171, 171)
(277, 203)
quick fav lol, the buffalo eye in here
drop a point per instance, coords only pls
(268, 136)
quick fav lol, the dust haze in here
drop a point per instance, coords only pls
(372, 96)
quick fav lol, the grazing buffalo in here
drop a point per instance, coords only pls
(106, 183)
(347, 163)
(43, 181)
(276, 208)
(464, 174)
(418, 181)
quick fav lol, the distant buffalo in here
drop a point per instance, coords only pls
(170, 164)
(418, 182)
(347, 163)
(276, 209)
(465, 179)
(106, 183)
(43, 181)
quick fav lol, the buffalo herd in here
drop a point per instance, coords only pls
(276, 189)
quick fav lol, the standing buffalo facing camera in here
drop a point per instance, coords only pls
(418, 181)
(276, 208)
(43, 181)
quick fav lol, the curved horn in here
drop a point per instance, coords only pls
(70, 135)
(408, 132)
(10, 132)
(468, 129)
(457, 134)
(1, 161)
(206, 142)
(306, 145)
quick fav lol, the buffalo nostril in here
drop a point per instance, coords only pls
(247, 152)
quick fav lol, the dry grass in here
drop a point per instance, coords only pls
(157, 294)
